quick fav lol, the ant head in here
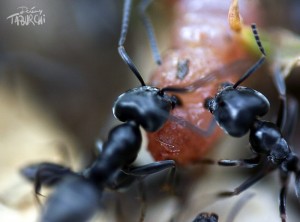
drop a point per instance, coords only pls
(147, 106)
(206, 217)
(235, 110)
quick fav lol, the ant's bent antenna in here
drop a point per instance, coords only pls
(149, 29)
(258, 63)
(121, 49)
(131, 65)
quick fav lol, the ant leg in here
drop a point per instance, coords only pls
(149, 29)
(292, 110)
(169, 184)
(143, 200)
(247, 163)
(282, 197)
(291, 122)
(143, 171)
(297, 184)
(121, 49)
(125, 177)
(48, 174)
(258, 63)
(290, 66)
(281, 88)
(248, 183)
(238, 206)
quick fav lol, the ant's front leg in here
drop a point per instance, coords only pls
(47, 174)
(246, 163)
(148, 169)
(249, 182)
(284, 179)
(125, 177)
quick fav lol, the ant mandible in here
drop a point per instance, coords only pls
(237, 110)
(77, 194)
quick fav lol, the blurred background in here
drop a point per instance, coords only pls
(58, 82)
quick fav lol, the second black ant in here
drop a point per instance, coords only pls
(238, 109)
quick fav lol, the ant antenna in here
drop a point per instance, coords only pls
(121, 49)
(258, 63)
(149, 29)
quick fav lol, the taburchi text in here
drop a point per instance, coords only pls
(27, 16)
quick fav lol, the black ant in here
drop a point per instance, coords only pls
(213, 217)
(237, 110)
(206, 217)
(77, 195)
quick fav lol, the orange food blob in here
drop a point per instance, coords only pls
(202, 42)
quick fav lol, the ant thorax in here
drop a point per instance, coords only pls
(146, 105)
(235, 109)
(266, 138)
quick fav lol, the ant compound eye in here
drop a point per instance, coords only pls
(222, 104)
(208, 102)
(176, 101)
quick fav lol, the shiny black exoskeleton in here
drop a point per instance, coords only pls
(147, 105)
(77, 194)
(206, 217)
(238, 110)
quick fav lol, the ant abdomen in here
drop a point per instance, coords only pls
(151, 115)
(70, 199)
(235, 109)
